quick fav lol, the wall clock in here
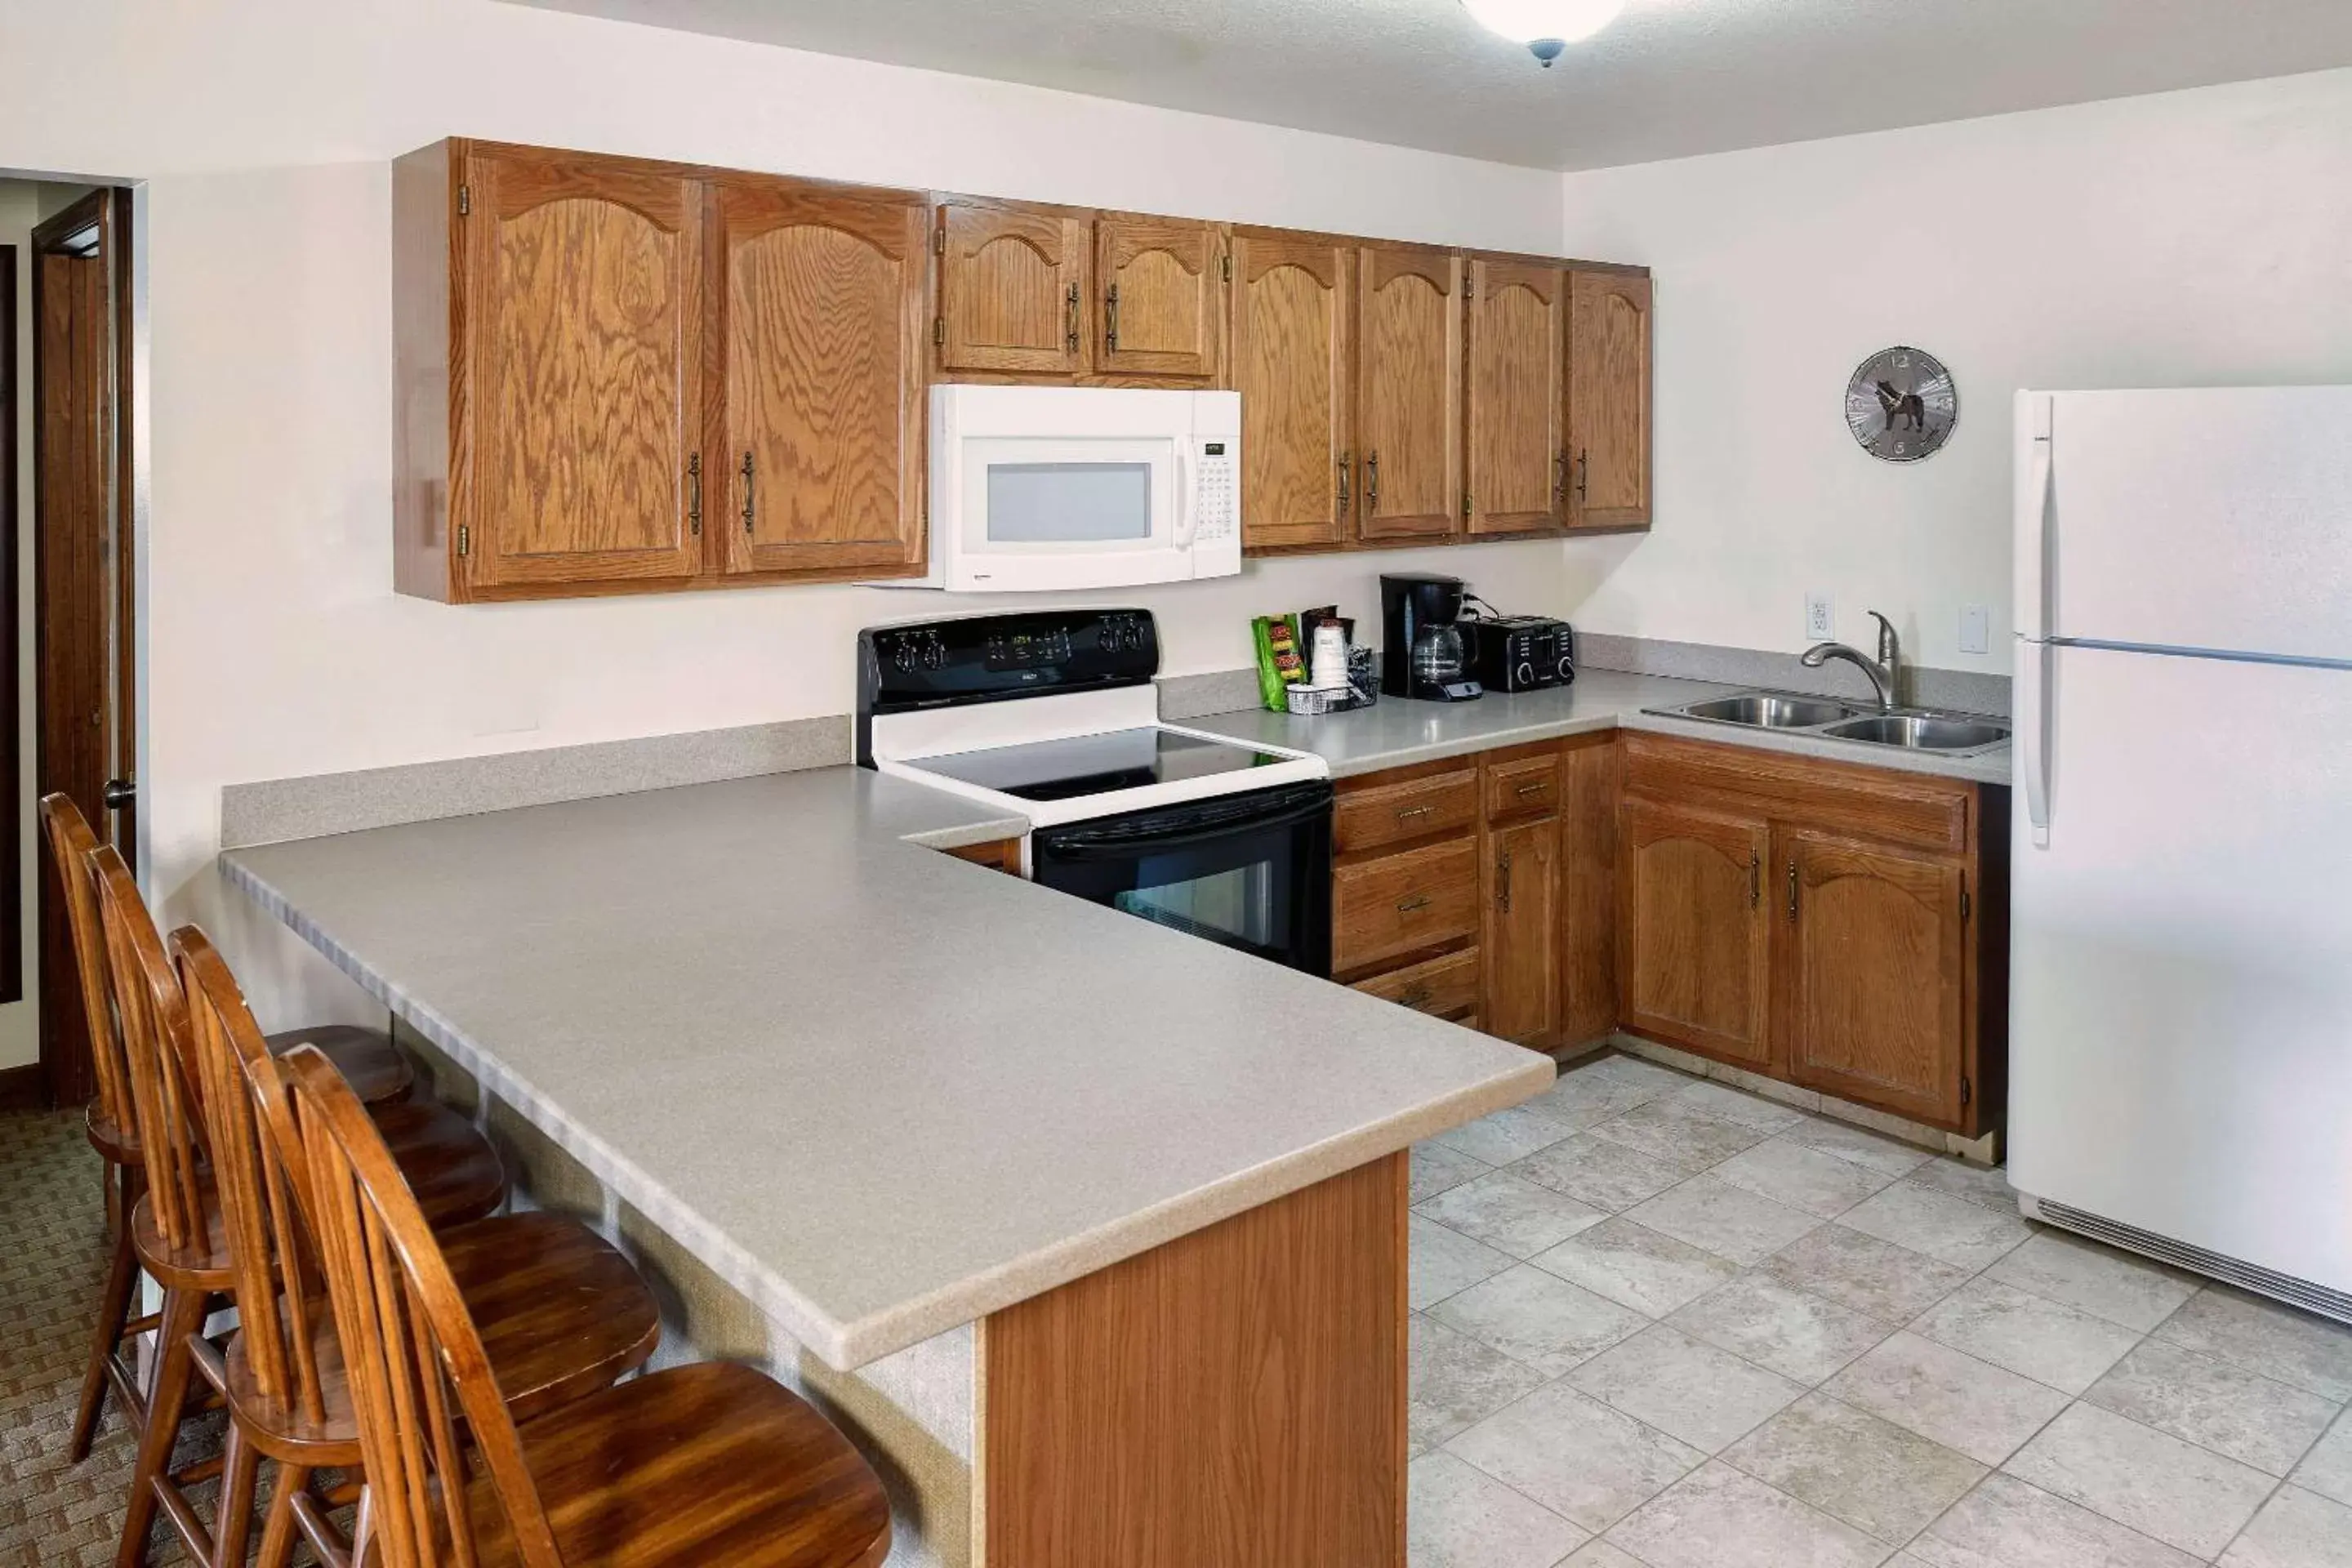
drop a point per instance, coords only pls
(1901, 404)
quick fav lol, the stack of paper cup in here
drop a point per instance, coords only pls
(1329, 666)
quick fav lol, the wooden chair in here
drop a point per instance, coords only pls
(365, 1056)
(709, 1464)
(561, 1312)
(176, 1227)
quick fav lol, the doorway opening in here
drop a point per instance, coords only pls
(67, 669)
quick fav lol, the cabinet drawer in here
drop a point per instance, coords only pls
(1404, 903)
(1415, 808)
(1442, 987)
(1528, 787)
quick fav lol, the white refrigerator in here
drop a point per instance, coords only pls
(2180, 1020)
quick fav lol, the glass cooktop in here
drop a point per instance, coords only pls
(1096, 764)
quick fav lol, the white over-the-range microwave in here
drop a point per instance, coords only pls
(1039, 487)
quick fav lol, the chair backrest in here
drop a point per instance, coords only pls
(70, 841)
(258, 1168)
(154, 1019)
(407, 1340)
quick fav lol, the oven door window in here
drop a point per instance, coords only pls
(1240, 906)
(1024, 496)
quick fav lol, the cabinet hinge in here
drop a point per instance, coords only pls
(939, 240)
(940, 332)
(1469, 289)
(1966, 1090)
(465, 538)
(464, 200)
(1226, 268)
(1965, 905)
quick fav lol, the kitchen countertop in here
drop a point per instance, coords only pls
(879, 1090)
(1398, 732)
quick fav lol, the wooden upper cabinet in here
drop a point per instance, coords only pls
(1159, 287)
(1874, 976)
(815, 463)
(1609, 400)
(1517, 396)
(1521, 932)
(1013, 289)
(1694, 929)
(580, 287)
(1409, 392)
(1293, 332)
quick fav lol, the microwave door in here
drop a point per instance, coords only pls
(1039, 514)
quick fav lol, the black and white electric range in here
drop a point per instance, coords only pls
(1052, 715)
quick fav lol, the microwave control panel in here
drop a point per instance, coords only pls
(1216, 490)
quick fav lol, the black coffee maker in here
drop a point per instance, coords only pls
(1420, 646)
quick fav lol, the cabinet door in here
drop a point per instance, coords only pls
(583, 371)
(1408, 392)
(816, 462)
(1693, 929)
(1293, 332)
(1588, 774)
(1160, 282)
(1609, 401)
(1517, 395)
(1874, 980)
(1522, 932)
(1011, 283)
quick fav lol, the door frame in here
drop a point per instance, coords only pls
(114, 210)
(12, 856)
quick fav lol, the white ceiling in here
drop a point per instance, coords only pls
(1668, 78)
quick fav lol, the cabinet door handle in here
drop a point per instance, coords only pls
(749, 506)
(1346, 461)
(1792, 886)
(1755, 879)
(1407, 813)
(1110, 319)
(1503, 881)
(1070, 319)
(1418, 901)
(694, 492)
(1372, 481)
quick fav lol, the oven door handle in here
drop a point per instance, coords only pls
(1080, 846)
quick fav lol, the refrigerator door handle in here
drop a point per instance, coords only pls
(2032, 543)
(2034, 704)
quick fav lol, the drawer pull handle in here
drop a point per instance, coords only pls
(1406, 813)
(1418, 901)
(1417, 998)
(1536, 788)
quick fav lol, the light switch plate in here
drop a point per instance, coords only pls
(1820, 619)
(1976, 634)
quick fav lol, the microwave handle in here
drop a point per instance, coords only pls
(1188, 516)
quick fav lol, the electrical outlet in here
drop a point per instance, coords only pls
(1976, 633)
(1820, 619)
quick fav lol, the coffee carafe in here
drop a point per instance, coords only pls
(1420, 646)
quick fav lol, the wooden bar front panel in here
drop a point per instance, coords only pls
(1234, 1399)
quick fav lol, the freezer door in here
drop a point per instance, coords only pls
(2180, 1018)
(2215, 519)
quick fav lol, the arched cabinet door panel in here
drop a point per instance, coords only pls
(1609, 401)
(1292, 363)
(1694, 929)
(581, 294)
(1518, 397)
(1012, 289)
(1408, 392)
(1159, 288)
(816, 461)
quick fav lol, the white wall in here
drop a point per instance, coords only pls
(275, 646)
(2198, 237)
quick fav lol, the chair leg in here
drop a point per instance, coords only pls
(233, 1519)
(278, 1524)
(183, 1314)
(113, 1311)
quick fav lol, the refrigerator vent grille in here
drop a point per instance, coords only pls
(2285, 1288)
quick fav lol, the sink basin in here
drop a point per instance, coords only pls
(1918, 732)
(1768, 713)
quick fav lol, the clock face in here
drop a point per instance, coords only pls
(1901, 404)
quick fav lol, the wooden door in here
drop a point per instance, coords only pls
(1409, 392)
(1873, 975)
(583, 374)
(1693, 929)
(1518, 397)
(1589, 772)
(1159, 286)
(816, 461)
(1293, 336)
(1522, 932)
(1011, 281)
(1609, 400)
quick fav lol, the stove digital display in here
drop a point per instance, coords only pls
(1028, 651)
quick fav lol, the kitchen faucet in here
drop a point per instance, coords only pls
(1886, 671)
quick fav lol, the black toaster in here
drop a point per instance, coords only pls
(1519, 653)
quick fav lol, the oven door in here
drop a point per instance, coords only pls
(1252, 871)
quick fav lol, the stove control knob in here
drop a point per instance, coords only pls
(934, 654)
(1106, 639)
(904, 657)
(1130, 636)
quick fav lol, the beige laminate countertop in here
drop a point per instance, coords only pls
(879, 1090)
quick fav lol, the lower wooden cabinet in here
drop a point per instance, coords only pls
(1522, 931)
(1693, 929)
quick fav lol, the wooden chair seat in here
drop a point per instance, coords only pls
(366, 1058)
(561, 1314)
(707, 1465)
(115, 1144)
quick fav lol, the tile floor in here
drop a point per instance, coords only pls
(1662, 1323)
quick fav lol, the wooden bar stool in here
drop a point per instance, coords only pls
(561, 1312)
(365, 1056)
(711, 1465)
(177, 1227)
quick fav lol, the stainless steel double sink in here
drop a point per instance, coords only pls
(1827, 719)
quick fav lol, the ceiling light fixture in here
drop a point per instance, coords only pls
(1545, 26)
